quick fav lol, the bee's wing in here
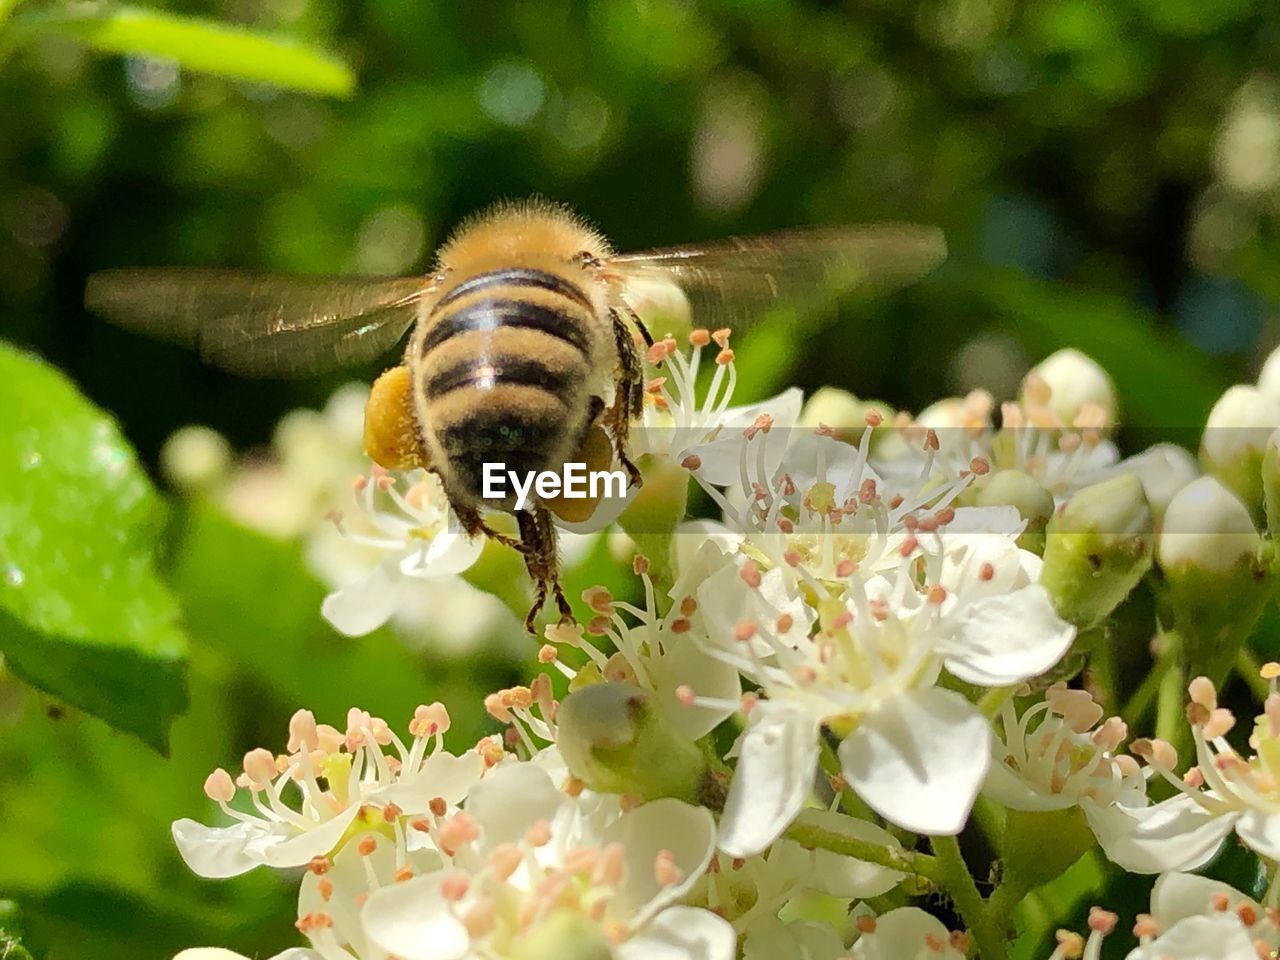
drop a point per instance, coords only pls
(731, 283)
(264, 326)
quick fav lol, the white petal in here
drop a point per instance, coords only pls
(901, 934)
(208, 953)
(365, 605)
(1260, 832)
(1220, 937)
(721, 457)
(682, 933)
(687, 832)
(220, 852)
(411, 920)
(445, 555)
(1009, 638)
(770, 939)
(919, 760)
(510, 799)
(317, 841)
(685, 662)
(347, 883)
(777, 761)
(442, 774)
(1175, 834)
(1179, 895)
(830, 873)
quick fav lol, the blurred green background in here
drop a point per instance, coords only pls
(1108, 175)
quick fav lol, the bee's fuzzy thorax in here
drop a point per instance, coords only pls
(511, 231)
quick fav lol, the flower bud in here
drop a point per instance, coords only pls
(845, 415)
(1097, 548)
(1269, 378)
(1164, 469)
(1033, 502)
(1075, 383)
(1216, 576)
(1234, 437)
(616, 739)
(565, 935)
(195, 458)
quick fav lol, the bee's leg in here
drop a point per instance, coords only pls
(644, 331)
(542, 562)
(473, 525)
(628, 401)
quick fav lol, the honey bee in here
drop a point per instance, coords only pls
(526, 346)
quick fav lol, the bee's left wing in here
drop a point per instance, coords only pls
(261, 325)
(732, 282)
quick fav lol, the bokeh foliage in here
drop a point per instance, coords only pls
(1082, 158)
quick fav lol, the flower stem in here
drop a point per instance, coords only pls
(904, 861)
(983, 925)
(995, 698)
(1145, 695)
(1248, 670)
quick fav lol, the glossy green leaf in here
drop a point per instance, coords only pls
(83, 614)
(200, 45)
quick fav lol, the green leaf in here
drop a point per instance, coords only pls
(83, 615)
(201, 45)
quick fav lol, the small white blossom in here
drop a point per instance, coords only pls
(414, 536)
(522, 851)
(294, 818)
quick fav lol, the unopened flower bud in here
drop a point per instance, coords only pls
(1234, 437)
(1097, 548)
(1217, 578)
(616, 739)
(1164, 469)
(565, 935)
(1269, 378)
(845, 415)
(1075, 382)
(195, 458)
(1016, 489)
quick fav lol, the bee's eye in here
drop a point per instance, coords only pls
(391, 435)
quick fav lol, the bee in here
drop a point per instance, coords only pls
(527, 347)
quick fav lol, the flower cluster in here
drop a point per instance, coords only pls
(768, 747)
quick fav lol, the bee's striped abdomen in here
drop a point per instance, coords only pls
(505, 359)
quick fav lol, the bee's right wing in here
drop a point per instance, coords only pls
(263, 326)
(733, 282)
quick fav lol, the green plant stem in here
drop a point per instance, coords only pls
(1247, 669)
(982, 924)
(1145, 695)
(995, 698)
(1005, 898)
(1102, 671)
(904, 861)
(1170, 695)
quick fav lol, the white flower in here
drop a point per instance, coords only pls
(523, 853)
(295, 819)
(1193, 918)
(416, 537)
(1223, 792)
(914, 752)
(1074, 383)
(1056, 756)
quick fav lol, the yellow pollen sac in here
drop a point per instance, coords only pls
(597, 453)
(424, 533)
(391, 435)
